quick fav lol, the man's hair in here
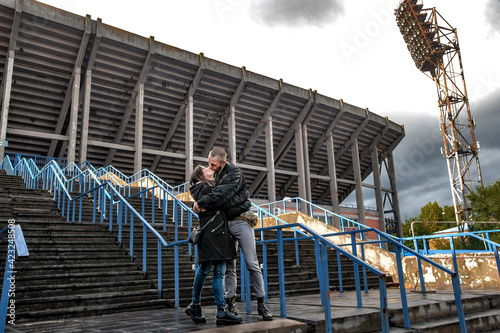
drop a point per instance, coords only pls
(219, 153)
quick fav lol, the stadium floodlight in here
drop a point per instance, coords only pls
(418, 30)
(433, 46)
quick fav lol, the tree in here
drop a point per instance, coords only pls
(449, 213)
(485, 202)
(432, 212)
(485, 206)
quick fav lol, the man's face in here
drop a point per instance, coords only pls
(214, 164)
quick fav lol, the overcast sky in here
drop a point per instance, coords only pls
(350, 50)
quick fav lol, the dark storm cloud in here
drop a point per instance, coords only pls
(492, 13)
(487, 118)
(297, 12)
(421, 170)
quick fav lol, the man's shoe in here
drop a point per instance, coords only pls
(262, 310)
(194, 311)
(224, 317)
(231, 305)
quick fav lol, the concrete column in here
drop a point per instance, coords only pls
(84, 136)
(357, 178)
(299, 155)
(378, 188)
(332, 171)
(232, 135)
(271, 182)
(9, 69)
(189, 137)
(139, 131)
(394, 189)
(73, 120)
(307, 171)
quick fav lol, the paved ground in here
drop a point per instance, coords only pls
(303, 308)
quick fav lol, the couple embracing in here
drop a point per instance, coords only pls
(222, 203)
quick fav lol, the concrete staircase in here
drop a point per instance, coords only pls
(74, 269)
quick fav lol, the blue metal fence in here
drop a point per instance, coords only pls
(111, 207)
(110, 202)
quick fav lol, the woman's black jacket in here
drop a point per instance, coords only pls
(215, 241)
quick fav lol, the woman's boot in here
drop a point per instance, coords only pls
(194, 311)
(224, 317)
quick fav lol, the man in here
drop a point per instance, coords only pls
(229, 182)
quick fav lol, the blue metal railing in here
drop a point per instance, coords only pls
(16, 247)
(322, 270)
(40, 161)
(110, 205)
(304, 206)
(113, 198)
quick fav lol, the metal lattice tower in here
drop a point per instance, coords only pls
(433, 45)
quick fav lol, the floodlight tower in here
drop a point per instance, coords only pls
(433, 45)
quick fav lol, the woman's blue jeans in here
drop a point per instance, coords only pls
(217, 282)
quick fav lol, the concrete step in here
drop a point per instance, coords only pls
(476, 322)
(80, 277)
(39, 270)
(90, 310)
(34, 291)
(84, 300)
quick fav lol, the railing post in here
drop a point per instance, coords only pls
(421, 275)
(455, 264)
(243, 278)
(110, 215)
(144, 248)
(281, 273)
(159, 270)
(131, 246)
(326, 288)
(120, 222)
(402, 290)
(339, 268)
(264, 265)
(356, 271)
(176, 275)
(497, 259)
(297, 261)
(458, 302)
(384, 311)
(248, 293)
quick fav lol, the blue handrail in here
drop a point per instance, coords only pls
(322, 243)
(107, 200)
(354, 244)
(304, 206)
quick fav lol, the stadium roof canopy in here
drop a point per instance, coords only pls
(59, 59)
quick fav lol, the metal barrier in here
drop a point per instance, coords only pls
(107, 200)
(321, 262)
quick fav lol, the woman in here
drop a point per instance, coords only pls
(215, 247)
